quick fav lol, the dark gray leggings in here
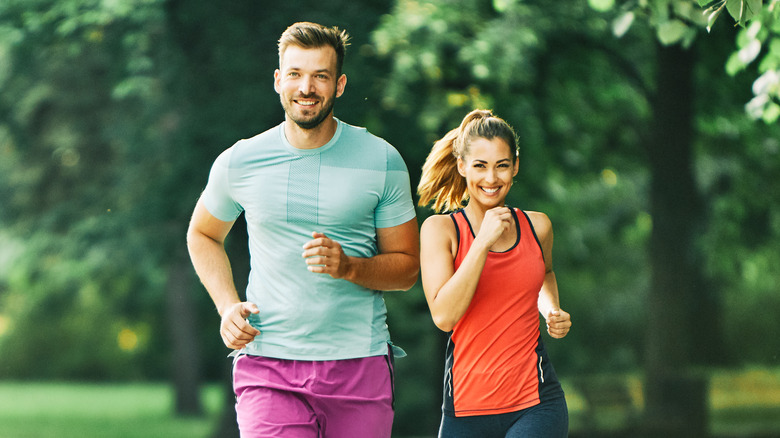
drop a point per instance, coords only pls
(549, 419)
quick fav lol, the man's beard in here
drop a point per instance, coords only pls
(313, 122)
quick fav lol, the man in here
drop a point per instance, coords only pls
(331, 224)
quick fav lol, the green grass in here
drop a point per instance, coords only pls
(742, 403)
(83, 410)
(745, 403)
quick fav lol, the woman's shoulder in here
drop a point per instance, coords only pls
(541, 223)
(438, 225)
(536, 216)
(437, 221)
(438, 233)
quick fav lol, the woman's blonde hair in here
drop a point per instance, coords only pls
(441, 183)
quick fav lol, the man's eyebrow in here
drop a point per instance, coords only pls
(321, 70)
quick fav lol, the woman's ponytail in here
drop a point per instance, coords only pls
(440, 182)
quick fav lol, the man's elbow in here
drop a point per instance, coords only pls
(193, 237)
(410, 281)
(197, 240)
(412, 274)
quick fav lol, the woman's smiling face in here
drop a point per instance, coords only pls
(488, 167)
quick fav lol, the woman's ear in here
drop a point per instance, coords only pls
(517, 167)
(461, 167)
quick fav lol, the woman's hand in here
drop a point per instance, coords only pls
(558, 323)
(496, 221)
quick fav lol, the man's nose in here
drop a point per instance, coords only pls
(306, 85)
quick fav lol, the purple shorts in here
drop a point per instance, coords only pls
(314, 399)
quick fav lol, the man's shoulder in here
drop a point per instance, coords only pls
(268, 136)
(249, 148)
(362, 135)
(363, 143)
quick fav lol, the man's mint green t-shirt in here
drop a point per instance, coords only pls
(345, 189)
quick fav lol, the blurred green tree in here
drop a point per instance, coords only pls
(78, 99)
(110, 117)
(685, 305)
(633, 108)
(112, 112)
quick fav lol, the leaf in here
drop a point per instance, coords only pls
(748, 53)
(622, 23)
(708, 3)
(735, 9)
(752, 8)
(771, 113)
(601, 5)
(755, 108)
(502, 5)
(713, 15)
(767, 83)
(734, 65)
(743, 10)
(671, 32)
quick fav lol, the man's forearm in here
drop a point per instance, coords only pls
(395, 271)
(212, 265)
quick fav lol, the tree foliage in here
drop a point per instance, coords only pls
(679, 21)
(619, 136)
(112, 112)
(78, 96)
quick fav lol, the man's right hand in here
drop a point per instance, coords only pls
(236, 332)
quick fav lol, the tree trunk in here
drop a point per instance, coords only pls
(227, 426)
(675, 399)
(186, 359)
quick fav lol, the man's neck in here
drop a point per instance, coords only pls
(310, 138)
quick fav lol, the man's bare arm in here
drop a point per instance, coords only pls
(206, 244)
(395, 267)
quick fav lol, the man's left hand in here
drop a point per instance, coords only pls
(324, 255)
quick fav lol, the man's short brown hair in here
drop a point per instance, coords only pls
(311, 36)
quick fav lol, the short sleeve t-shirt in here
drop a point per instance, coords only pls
(346, 189)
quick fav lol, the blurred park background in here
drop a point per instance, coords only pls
(651, 143)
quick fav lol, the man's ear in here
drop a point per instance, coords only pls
(277, 80)
(341, 84)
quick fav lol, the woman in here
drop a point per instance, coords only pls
(486, 270)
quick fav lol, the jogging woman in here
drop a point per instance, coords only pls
(486, 272)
